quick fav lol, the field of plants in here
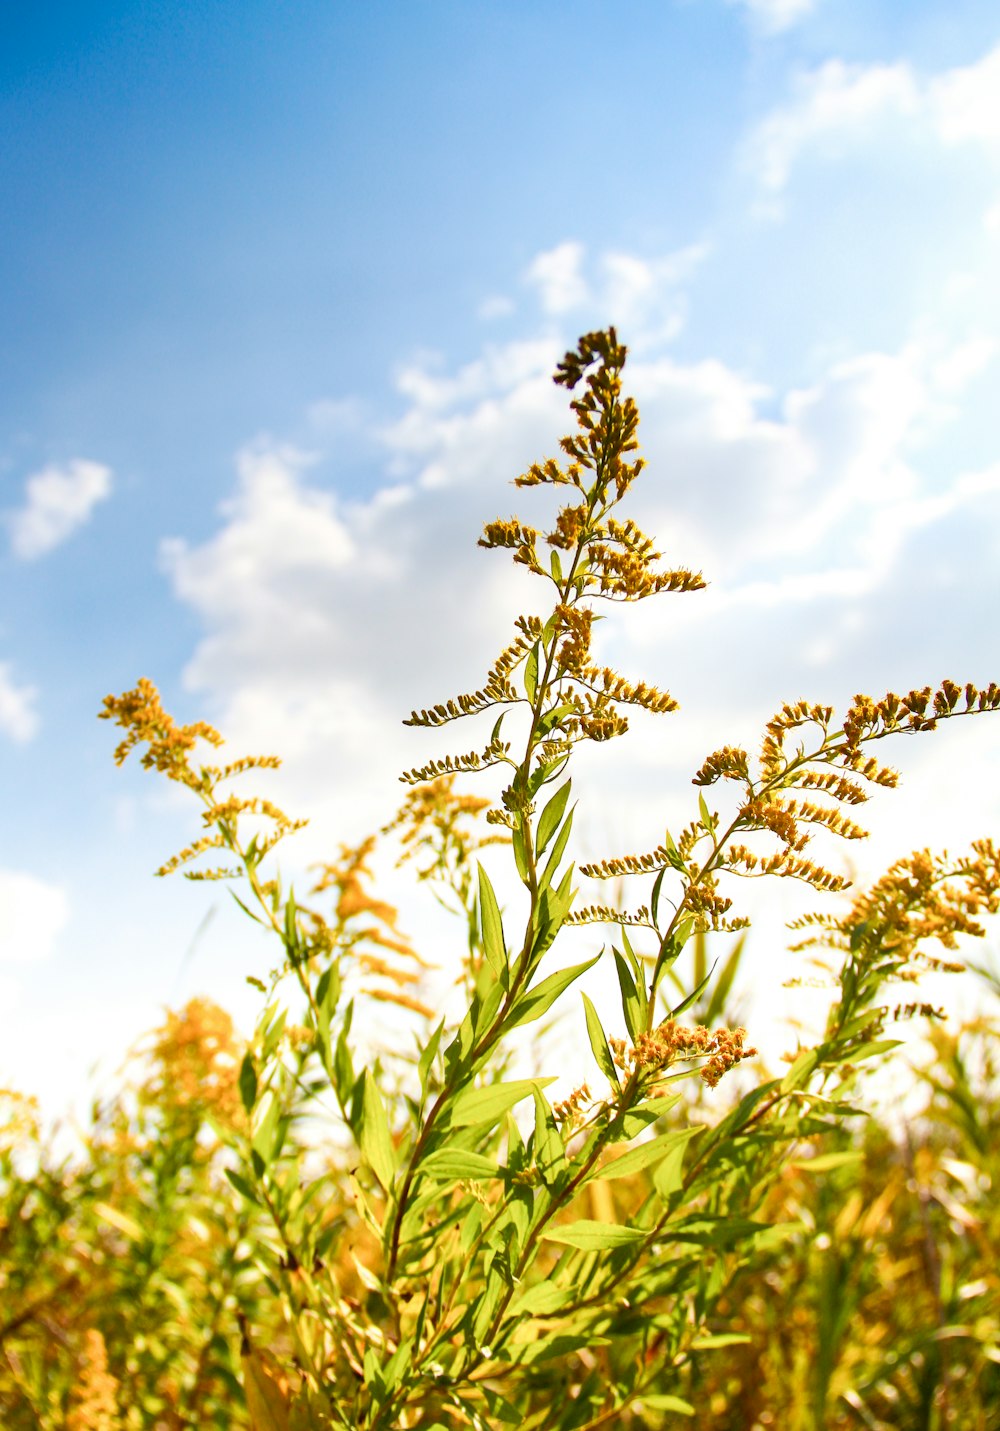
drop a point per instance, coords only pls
(286, 1233)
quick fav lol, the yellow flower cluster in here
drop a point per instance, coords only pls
(94, 1399)
(141, 715)
(196, 1056)
(671, 1043)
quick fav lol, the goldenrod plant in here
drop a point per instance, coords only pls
(122, 1266)
(443, 1245)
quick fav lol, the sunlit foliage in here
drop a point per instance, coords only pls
(316, 1229)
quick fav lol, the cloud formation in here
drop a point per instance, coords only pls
(840, 105)
(326, 620)
(58, 500)
(32, 915)
(775, 16)
(18, 717)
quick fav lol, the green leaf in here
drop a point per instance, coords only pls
(291, 936)
(599, 1044)
(486, 1000)
(692, 998)
(373, 1136)
(531, 673)
(645, 1154)
(343, 1065)
(538, 1000)
(800, 1070)
(824, 1162)
(720, 1339)
(871, 1050)
(631, 1006)
(485, 1307)
(250, 915)
(654, 902)
(454, 1163)
(707, 818)
(248, 1082)
(328, 989)
(494, 946)
(427, 1055)
(670, 950)
(474, 1106)
(661, 1401)
(557, 1344)
(548, 821)
(591, 1236)
(669, 1176)
(673, 853)
(519, 847)
(273, 1025)
(243, 1186)
(637, 1119)
(558, 850)
(721, 991)
(265, 1127)
(630, 954)
(542, 1299)
(550, 1151)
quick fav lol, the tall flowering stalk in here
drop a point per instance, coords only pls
(564, 1266)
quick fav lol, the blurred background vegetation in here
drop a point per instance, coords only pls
(126, 1267)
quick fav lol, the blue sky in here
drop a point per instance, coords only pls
(282, 288)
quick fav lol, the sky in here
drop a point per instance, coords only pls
(282, 291)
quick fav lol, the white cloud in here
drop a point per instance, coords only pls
(58, 500)
(956, 369)
(775, 16)
(32, 915)
(496, 306)
(965, 102)
(839, 105)
(647, 296)
(325, 620)
(836, 102)
(18, 717)
(557, 277)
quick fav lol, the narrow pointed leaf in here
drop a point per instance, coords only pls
(494, 947)
(558, 850)
(591, 1236)
(631, 1007)
(531, 673)
(248, 1082)
(692, 998)
(825, 1162)
(538, 1000)
(800, 1070)
(488, 1105)
(599, 1044)
(548, 821)
(645, 1155)
(720, 993)
(662, 1401)
(449, 1163)
(375, 1140)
